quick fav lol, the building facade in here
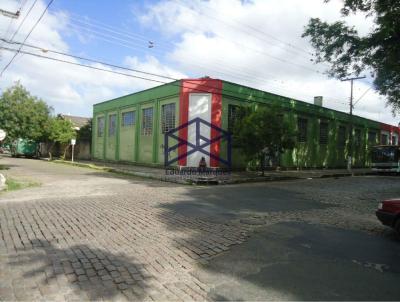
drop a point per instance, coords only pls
(132, 128)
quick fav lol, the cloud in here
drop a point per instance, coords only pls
(258, 43)
(67, 88)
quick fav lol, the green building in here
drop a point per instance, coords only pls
(132, 128)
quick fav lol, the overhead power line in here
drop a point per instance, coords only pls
(252, 49)
(242, 25)
(224, 92)
(101, 31)
(45, 50)
(365, 92)
(27, 36)
(23, 20)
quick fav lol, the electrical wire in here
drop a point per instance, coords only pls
(95, 61)
(365, 92)
(230, 71)
(261, 52)
(23, 20)
(224, 92)
(27, 36)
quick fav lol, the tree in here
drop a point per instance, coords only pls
(85, 132)
(23, 115)
(262, 132)
(60, 131)
(349, 53)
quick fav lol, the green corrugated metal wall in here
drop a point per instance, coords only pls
(128, 144)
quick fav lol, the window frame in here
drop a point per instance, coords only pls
(302, 137)
(370, 141)
(324, 141)
(147, 122)
(341, 141)
(133, 121)
(232, 118)
(110, 123)
(100, 130)
(168, 122)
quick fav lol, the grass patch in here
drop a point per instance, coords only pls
(13, 184)
(4, 167)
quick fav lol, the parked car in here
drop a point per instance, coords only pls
(24, 147)
(389, 213)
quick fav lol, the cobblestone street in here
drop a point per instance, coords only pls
(88, 235)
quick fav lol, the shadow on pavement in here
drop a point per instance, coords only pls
(81, 271)
(224, 203)
(288, 260)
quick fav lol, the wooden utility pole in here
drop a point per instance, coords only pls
(350, 149)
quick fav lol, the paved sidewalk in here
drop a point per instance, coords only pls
(186, 177)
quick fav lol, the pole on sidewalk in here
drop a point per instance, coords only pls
(73, 142)
(350, 149)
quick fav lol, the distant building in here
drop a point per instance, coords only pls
(132, 128)
(77, 121)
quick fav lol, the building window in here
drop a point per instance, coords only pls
(342, 136)
(128, 118)
(395, 140)
(302, 130)
(323, 133)
(357, 136)
(100, 126)
(384, 139)
(147, 122)
(112, 125)
(167, 117)
(233, 115)
(372, 137)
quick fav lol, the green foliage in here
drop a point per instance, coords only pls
(13, 184)
(85, 133)
(262, 132)
(349, 53)
(61, 130)
(23, 115)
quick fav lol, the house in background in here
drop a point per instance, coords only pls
(77, 121)
(83, 138)
(82, 149)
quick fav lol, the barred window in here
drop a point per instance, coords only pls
(395, 140)
(112, 125)
(384, 139)
(233, 115)
(341, 136)
(147, 121)
(100, 126)
(323, 133)
(372, 137)
(128, 118)
(358, 138)
(167, 117)
(302, 130)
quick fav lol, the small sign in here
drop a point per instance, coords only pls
(73, 141)
(3, 134)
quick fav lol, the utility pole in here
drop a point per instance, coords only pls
(350, 151)
(9, 14)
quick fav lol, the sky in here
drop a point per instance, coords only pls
(255, 43)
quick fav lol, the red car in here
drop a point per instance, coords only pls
(389, 213)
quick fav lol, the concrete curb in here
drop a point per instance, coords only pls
(123, 172)
(3, 185)
(213, 181)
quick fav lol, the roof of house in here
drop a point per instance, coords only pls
(77, 121)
